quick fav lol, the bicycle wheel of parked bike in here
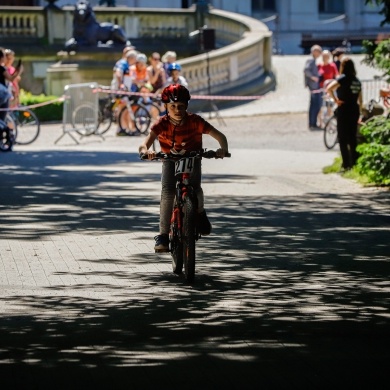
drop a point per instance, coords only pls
(84, 120)
(142, 119)
(189, 238)
(10, 121)
(176, 248)
(330, 133)
(104, 122)
(27, 125)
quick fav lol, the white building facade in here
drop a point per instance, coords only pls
(296, 24)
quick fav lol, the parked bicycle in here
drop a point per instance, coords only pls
(25, 124)
(183, 229)
(373, 108)
(132, 112)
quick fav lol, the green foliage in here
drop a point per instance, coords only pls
(334, 168)
(378, 53)
(378, 56)
(385, 10)
(377, 130)
(47, 113)
(374, 160)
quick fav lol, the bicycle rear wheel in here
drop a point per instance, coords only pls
(189, 238)
(27, 124)
(142, 119)
(330, 133)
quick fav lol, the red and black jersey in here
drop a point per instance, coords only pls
(186, 136)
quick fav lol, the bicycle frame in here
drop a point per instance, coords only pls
(183, 189)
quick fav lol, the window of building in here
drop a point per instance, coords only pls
(331, 6)
(263, 5)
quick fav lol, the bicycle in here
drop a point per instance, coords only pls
(25, 124)
(374, 108)
(108, 113)
(183, 232)
(85, 122)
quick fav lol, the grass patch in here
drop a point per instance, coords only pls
(334, 168)
(352, 174)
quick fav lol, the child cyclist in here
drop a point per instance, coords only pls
(179, 131)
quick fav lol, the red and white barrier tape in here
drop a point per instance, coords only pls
(200, 97)
(19, 108)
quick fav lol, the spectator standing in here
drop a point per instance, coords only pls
(174, 75)
(121, 69)
(122, 80)
(168, 58)
(327, 69)
(346, 91)
(146, 100)
(13, 85)
(5, 78)
(312, 81)
(337, 56)
(139, 73)
(156, 72)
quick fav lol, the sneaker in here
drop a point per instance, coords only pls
(122, 133)
(162, 243)
(204, 224)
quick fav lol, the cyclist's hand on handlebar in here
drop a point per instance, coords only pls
(221, 153)
(149, 155)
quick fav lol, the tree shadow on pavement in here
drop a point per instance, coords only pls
(290, 292)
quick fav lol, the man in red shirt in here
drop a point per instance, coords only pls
(178, 131)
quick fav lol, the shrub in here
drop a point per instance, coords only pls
(47, 113)
(374, 161)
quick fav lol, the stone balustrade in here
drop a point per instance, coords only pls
(243, 53)
(22, 22)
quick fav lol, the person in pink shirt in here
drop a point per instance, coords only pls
(328, 71)
(327, 68)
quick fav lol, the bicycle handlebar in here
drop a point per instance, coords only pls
(172, 156)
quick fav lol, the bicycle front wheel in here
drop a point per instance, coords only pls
(189, 238)
(176, 243)
(142, 119)
(330, 133)
(27, 125)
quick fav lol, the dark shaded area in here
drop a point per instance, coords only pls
(291, 292)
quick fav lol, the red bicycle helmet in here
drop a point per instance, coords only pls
(175, 93)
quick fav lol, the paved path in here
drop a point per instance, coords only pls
(291, 291)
